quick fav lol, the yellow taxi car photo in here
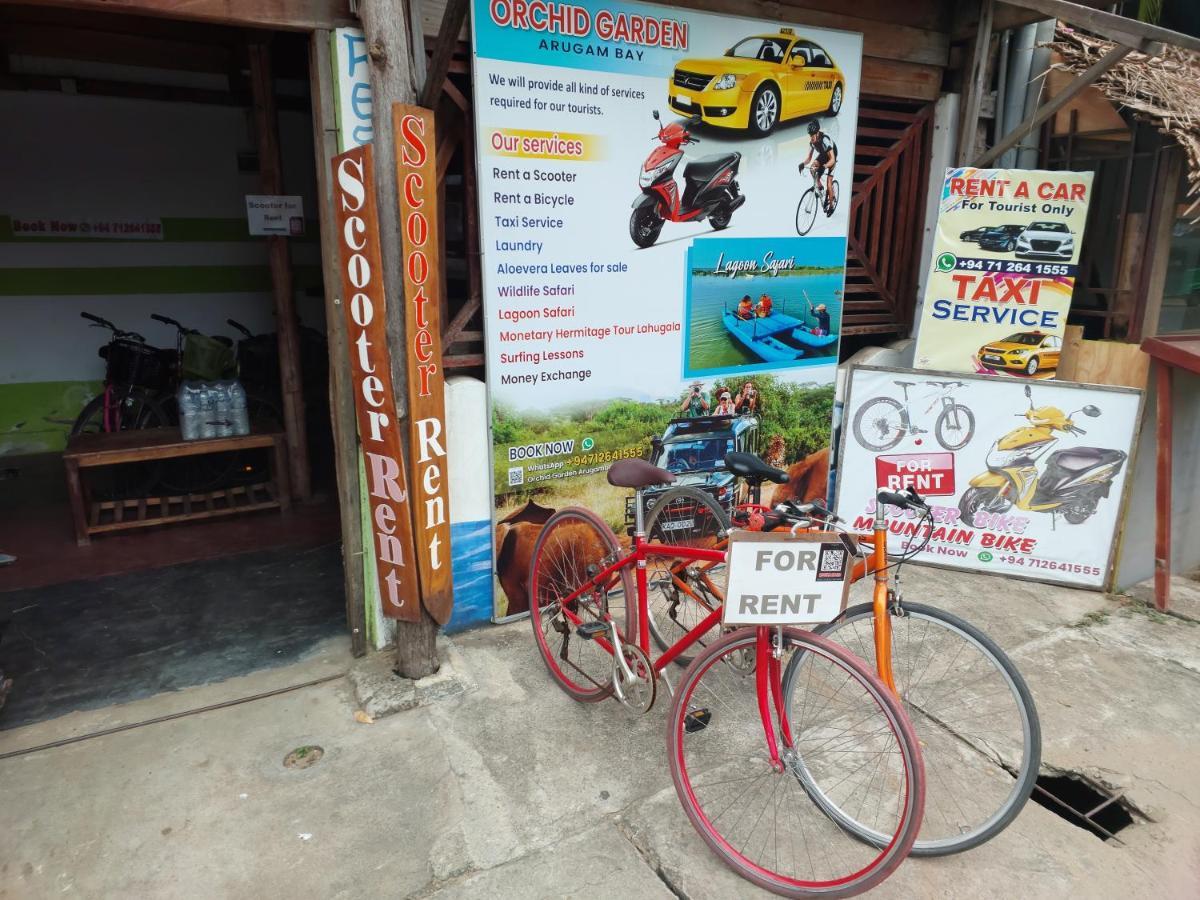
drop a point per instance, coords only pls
(759, 82)
(1027, 351)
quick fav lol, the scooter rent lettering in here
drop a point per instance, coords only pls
(710, 188)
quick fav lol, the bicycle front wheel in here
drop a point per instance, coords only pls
(806, 212)
(847, 733)
(682, 593)
(574, 547)
(972, 711)
(955, 426)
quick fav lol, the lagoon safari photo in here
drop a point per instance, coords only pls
(755, 302)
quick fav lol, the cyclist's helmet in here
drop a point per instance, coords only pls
(814, 126)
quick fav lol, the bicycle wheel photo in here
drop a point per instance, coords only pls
(955, 426)
(844, 743)
(681, 593)
(574, 546)
(972, 712)
(880, 424)
(833, 199)
(806, 212)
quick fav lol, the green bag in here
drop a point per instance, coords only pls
(207, 359)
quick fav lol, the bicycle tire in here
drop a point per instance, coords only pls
(833, 203)
(806, 213)
(943, 419)
(663, 605)
(882, 403)
(934, 728)
(560, 563)
(137, 409)
(908, 779)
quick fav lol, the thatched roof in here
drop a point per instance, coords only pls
(1163, 90)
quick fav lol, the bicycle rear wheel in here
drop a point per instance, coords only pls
(682, 593)
(128, 409)
(848, 733)
(972, 711)
(574, 546)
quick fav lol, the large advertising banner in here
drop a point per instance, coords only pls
(664, 199)
(1004, 264)
(1024, 479)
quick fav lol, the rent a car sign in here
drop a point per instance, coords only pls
(1003, 270)
(785, 579)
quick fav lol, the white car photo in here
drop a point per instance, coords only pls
(1046, 241)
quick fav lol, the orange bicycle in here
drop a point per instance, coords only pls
(979, 728)
(775, 779)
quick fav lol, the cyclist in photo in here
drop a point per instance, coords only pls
(695, 403)
(745, 309)
(763, 310)
(822, 155)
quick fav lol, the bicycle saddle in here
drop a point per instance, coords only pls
(905, 383)
(747, 465)
(637, 473)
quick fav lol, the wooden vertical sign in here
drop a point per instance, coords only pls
(416, 181)
(364, 299)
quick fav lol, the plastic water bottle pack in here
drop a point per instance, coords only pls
(212, 409)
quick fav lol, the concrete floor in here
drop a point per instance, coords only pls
(512, 790)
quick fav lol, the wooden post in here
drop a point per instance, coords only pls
(341, 398)
(981, 51)
(1162, 488)
(393, 80)
(279, 257)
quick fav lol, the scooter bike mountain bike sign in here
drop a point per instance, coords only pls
(785, 579)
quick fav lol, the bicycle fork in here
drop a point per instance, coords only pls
(768, 667)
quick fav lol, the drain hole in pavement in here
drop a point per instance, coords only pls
(1082, 804)
(303, 757)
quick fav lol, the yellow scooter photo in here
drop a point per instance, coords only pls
(1073, 481)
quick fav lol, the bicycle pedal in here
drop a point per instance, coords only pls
(589, 630)
(696, 720)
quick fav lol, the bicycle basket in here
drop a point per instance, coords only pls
(134, 363)
(207, 359)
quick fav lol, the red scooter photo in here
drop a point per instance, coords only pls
(710, 188)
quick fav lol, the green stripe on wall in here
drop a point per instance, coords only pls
(178, 230)
(99, 280)
(36, 416)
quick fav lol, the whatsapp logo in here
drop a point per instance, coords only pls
(946, 262)
(588, 443)
(984, 556)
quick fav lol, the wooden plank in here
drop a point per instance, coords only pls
(129, 524)
(1131, 32)
(341, 392)
(981, 52)
(897, 78)
(453, 19)
(153, 443)
(286, 15)
(1162, 216)
(466, 361)
(111, 46)
(1103, 362)
(1054, 104)
(287, 320)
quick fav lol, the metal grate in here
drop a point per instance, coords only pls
(1083, 804)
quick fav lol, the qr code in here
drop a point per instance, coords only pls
(832, 560)
(516, 475)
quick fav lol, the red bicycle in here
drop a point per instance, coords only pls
(770, 779)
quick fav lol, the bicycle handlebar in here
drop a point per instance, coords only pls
(234, 323)
(908, 499)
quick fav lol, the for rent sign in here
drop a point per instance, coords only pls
(785, 579)
(416, 179)
(363, 299)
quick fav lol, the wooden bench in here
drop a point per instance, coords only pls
(88, 451)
